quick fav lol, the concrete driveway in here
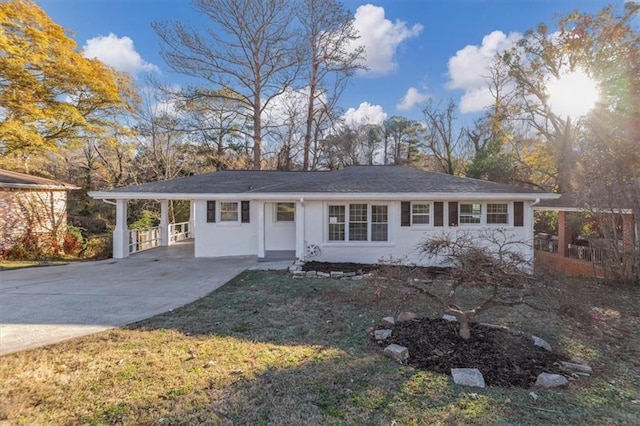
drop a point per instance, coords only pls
(39, 306)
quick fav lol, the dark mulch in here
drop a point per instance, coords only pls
(504, 358)
(364, 268)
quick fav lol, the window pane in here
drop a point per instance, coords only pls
(470, 213)
(420, 214)
(379, 223)
(497, 213)
(228, 212)
(285, 212)
(358, 222)
(357, 212)
(336, 223)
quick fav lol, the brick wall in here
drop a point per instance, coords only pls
(41, 212)
(566, 265)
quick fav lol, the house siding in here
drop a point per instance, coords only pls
(40, 212)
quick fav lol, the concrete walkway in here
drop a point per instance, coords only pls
(40, 306)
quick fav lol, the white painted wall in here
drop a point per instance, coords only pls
(232, 239)
(403, 242)
(224, 238)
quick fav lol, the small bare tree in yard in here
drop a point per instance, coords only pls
(489, 260)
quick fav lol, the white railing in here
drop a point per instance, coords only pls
(589, 254)
(143, 239)
(178, 232)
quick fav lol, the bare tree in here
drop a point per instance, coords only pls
(489, 261)
(331, 60)
(443, 139)
(249, 47)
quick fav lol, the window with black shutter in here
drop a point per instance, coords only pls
(438, 213)
(211, 211)
(245, 212)
(453, 213)
(518, 213)
(405, 213)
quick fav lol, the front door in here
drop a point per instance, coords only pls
(279, 228)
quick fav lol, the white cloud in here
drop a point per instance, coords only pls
(117, 52)
(364, 114)
(412, 98)
(468, 69)
(380, 38)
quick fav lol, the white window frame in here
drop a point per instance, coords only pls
(237, 210)
(506, 213)
(275, 213)
(479, 215)
(343, 223)
(346, 239)
(429, 214)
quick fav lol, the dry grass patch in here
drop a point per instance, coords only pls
(269, 349)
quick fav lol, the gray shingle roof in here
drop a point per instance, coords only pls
(356, 179)
(9, 179)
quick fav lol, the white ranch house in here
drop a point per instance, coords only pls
(358, 214)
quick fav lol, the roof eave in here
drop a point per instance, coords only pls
(408, 196)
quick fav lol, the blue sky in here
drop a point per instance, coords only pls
(418, 48)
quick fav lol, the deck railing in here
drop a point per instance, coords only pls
(178, 232)
(145, 239)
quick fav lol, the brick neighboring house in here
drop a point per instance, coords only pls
(31, 205)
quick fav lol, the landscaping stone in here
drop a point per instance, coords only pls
(468, 377)
(323, 274)
(537, 341)
(388, 321)
(293, 268)
(382, 334)
(356, 278)
(298, 276)
(577, 368)
(449, 318)
(406, 316)
(337, 274)
(349, 274)
(312, 274)
(298, 273)
(548, 380)
(397, 352)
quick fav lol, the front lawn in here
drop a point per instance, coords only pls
(269, 349)
(6, 265)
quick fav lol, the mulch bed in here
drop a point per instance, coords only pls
(504, 358)
(364, 268)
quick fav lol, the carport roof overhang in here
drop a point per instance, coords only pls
(320, 196)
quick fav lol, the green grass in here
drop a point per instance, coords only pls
(6, 265)
(268, 349)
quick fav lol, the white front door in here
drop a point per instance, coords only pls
(279, 226)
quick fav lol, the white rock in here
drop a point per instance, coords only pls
(388, 321)
(548, 380)
(581, 368)
(397, 352)
(383, 334)
(537, 341)
(293, 268)
(349, 274)
(323, 274)
(298, 273)
(468, 377)
(312, 274)
(449, 317)
(356, 278)
(406, 316)
(336, 274)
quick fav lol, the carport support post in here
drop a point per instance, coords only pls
(260, 230)
(164, 223)
(121, 232)
(299, 217)
(192, 219)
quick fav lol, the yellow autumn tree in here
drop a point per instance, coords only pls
(50, 94)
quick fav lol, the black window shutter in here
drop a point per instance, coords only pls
(245, 212)
(405, 213)
(518, 213)
(438, 212)
(211, 211)
(453, 213)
